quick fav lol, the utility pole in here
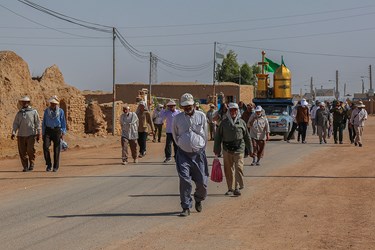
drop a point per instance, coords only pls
(337, 94)
(371, 90)
(344, 89)
(114, 83)
(363, 86)
(214, 78)
(312, 88)
(149, 82)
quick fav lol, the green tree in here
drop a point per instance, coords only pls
(230, 70)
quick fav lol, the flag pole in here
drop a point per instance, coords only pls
(214, 77)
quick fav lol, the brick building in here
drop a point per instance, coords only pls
(232, 91)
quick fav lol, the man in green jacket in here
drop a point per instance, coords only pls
(234, 136)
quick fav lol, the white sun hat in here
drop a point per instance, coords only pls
(24, 99)
(53, 100)
(232, 105)
(258, 109)
(171, 103)
(186, 100)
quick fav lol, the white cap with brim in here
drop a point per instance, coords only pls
(258, 109)
(160, 105)
(171, 103)
(232, 105)
(53, 100)
(143, 103)
(24, 99)
(186, 100)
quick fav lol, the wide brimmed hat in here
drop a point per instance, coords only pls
(186, 100)
(232, 105)
(53, 100)
(143, 103)
(360, 105)
(24, 99)
(171, 103)
(258, 109)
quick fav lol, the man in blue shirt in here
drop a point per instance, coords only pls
(53, 128)
(169, 115)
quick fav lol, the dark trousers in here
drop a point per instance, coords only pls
(337, 128)
(142, 138)
(294, 127)
(302, 128)
(168, 146)
(351, 133)
(52, 135)
(158, 129)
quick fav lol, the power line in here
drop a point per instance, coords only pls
(102, 28)
(48, 27)
(254, 28)
(300, 52)
(246, 20)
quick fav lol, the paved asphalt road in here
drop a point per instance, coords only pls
(93, 212)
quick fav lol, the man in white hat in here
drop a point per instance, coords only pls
(129, 134)
(259, 133)
(169, 115)
(357, 120)
(145, 121)
(54, 128)
(233, 136)
(189, 131)
(211, 123)
(158, 121)
(302, 118)
(27, 124)
(323, 121)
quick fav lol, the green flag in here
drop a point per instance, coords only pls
(219, 55)
(272, 66)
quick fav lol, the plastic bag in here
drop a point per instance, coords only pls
(63, 145)
(216, 172)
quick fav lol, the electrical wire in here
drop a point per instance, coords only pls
(247, 20)
(300, 52)
(35, 22)
(254, 28)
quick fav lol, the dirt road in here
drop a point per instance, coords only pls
(307, 196)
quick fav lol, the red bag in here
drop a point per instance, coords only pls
(216, 172)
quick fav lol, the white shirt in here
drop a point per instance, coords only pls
(190, 132)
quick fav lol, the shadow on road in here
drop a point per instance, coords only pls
(116, 215)
(311, 177)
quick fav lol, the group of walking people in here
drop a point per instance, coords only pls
(28, 129)
(329, 118)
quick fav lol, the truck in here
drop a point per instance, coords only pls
(278, 112)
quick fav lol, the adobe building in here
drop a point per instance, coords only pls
(233, 92)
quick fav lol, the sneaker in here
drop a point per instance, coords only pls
(229, 192)
(253, 163)
(355, 144)
(167, 160)
(140, 156)
(257, 163)
(24, 169)
(31, 168)
(135, 161)
(341, 142)
(185, 212)
(54, 170)
(198, 206)
(237, 192)
(124, 162)
(304, 142)
(48, 169)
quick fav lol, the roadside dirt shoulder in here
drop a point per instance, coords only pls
(326, 201)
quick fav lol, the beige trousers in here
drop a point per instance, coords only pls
(133, 148)
(358, 134)
(26, 150)
(233, 169)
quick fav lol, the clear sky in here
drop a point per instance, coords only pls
(316, 38)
